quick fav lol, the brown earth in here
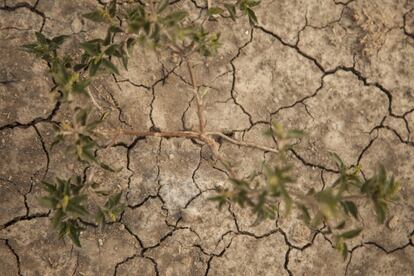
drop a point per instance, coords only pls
(343, 71)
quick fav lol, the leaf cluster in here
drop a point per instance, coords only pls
(68, 199)
(80, 136)
(334, 208)
(245, 7)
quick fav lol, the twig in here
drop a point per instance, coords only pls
(93, 99)
(241, 143)
(171, 134)
(200, 109)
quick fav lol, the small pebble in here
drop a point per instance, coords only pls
(393, 222)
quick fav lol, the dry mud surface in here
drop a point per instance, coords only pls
(341, 70)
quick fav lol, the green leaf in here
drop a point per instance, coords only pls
(110, 66)
(49, 187)
(381, 211)
(96, 16)
(175, 17)
(59, 72)
(58, 218)
(328, 202)
(78, 199)
(162, 5)
(338, 161)
(100, 217)
(111, 49)
(342, 248)
(351, 234)
(81, 116)
(350, 207)
(77, 209)
(48, 202)
(112, 8)
(113, 200)
(94, 67)
(232, 11)
(341, 225)
(130, 43)
(124, 60)
(214, 11)
(295, 133)
(221, 198)
(30, 48)
(252, 16)
(108, 168)
(80, 86)
(41, 38)
(305, 213)
(59, 39)
(92, 48)
(84, 154)
(74, 234)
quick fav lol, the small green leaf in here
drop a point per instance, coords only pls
(381, 211)
(252, 16)
(74, 234)
(100, 217)
(112, 8)
(110, 66)
(80, 86)
(59, 39)
(92, 48)
(338, 161)
(305, 213)
(214, 11)
(58, 218)
(130, 43)
(41, 38)
(175, 17)
(108, 168)
(232, 11)
(162, 5)
(113, 200)
(350, 207)
(295, 133)
(77, 209)
(48, 202)
(81, 116)
(342, 248)
(96, 16)
(351, 234)
(94, 67)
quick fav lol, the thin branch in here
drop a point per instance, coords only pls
(200, 108)
(95, 103)
(169, 134)
(242, 143)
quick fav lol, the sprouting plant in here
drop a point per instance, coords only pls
(158, 26)
(69, 198)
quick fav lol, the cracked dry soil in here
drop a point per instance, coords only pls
(343, 71)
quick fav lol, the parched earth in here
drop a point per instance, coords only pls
(343, 71)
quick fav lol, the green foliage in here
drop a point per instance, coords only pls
(244, 6)
(80, 136)
(45, 48)
(69, 201)
(335, 206)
